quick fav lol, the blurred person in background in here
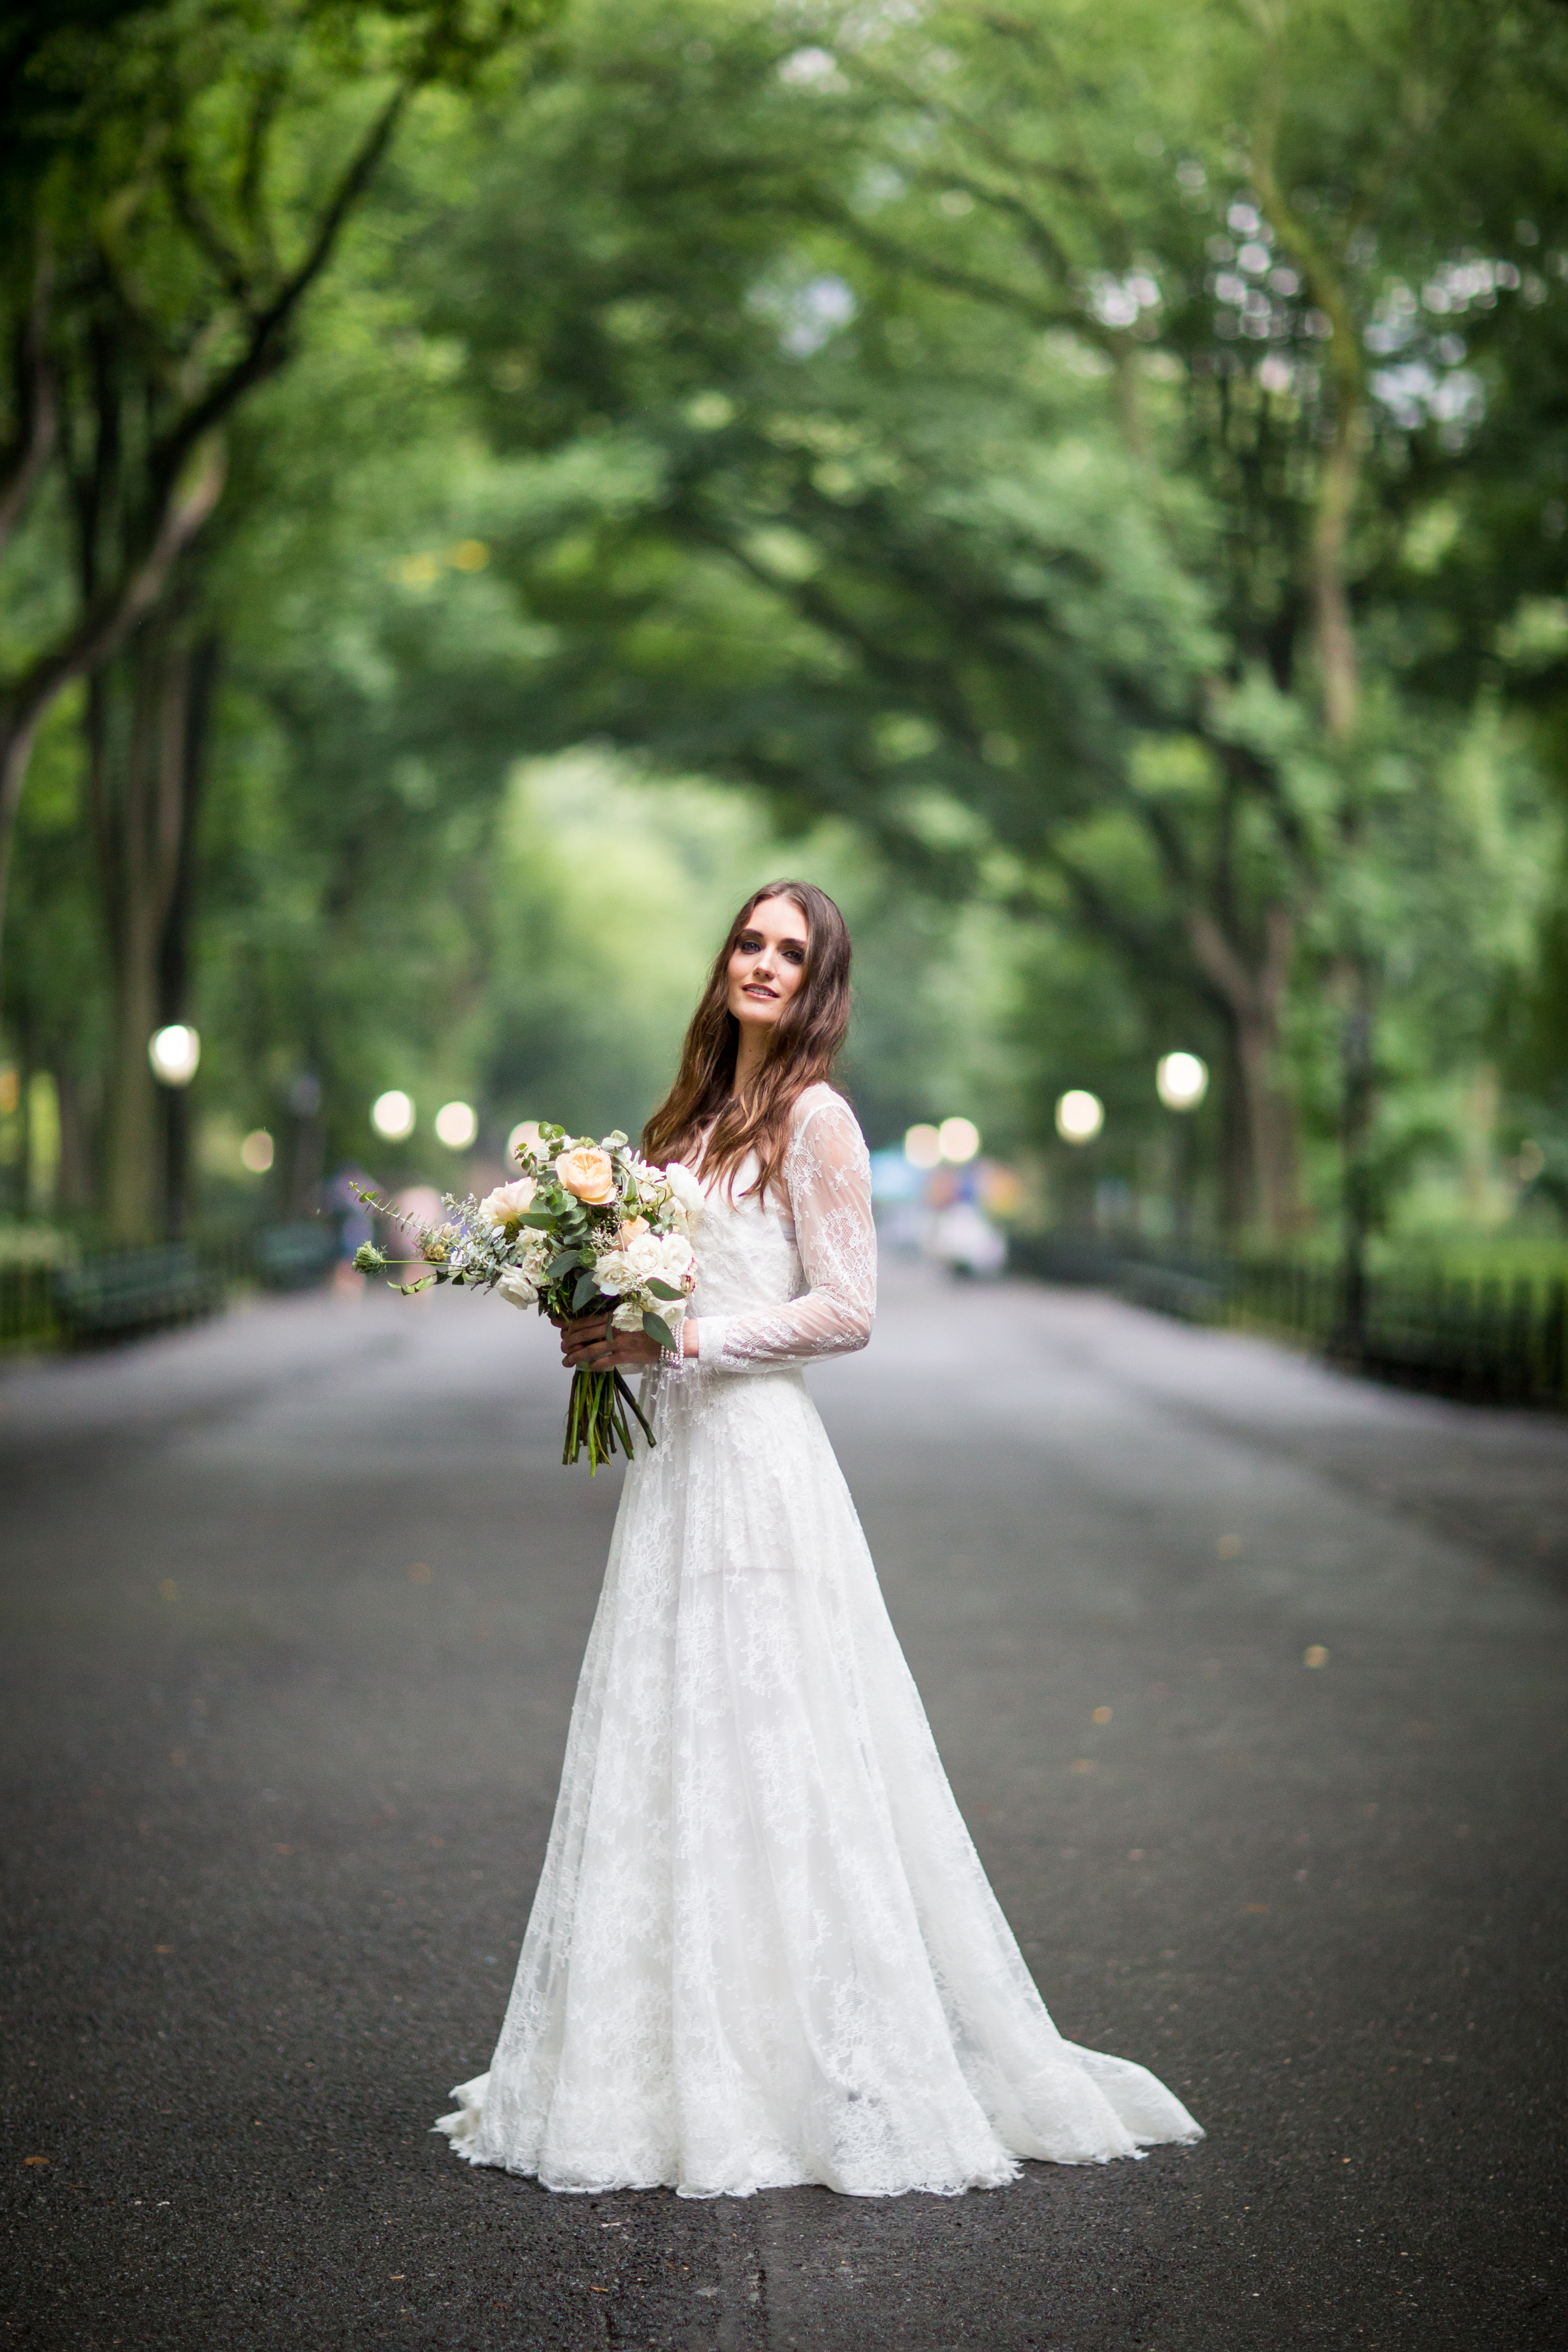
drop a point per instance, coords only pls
(353, 1223)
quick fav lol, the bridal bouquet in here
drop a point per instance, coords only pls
(585, 1227)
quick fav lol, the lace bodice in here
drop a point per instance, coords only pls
(779, 1282)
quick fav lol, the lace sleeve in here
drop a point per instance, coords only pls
(828, 1179)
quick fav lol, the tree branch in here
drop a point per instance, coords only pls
(266, 347)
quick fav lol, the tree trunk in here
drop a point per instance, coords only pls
(1271, 1124)
(1252, 996)
(138, 791)
(1357, 1103)
(73, 1191)
(174, 946)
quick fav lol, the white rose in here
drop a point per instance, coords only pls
(614, 1271)
(685, 1189)
(643, 1254)
(628, 1315)
(508, 1201)
(518, 1285)
(677, 1260)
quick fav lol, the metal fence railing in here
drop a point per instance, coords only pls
(1490, 1338)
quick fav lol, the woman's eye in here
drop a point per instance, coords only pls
(794, 955)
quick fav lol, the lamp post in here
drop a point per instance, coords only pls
(175, 1052)
(1080, 1116)
(1181, 1081)
(393, 1115)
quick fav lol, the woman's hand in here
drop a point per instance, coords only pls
(589, 1344)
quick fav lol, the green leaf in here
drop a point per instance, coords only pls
(657, 1329)
(587, 1288)
(543, 1218)
(563, 1265)
(663, 1289)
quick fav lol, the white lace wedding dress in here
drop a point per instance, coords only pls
(763, 1950)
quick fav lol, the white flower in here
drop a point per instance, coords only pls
(628, 1315)
(524, 1278)
(614, 1271)
(685, 1189)
(661, 1257)
(644, 1254)
(679, 1260)
(508, 1201)
(519, 1285)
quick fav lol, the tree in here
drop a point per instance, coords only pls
(845, 300)
(197, 185)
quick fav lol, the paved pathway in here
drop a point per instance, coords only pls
(292, 1609)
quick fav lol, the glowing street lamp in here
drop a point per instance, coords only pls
(1182, 1080)
(175, 1052)
(1080, 1115)
(923, 1146)
(392, 1115)
(959, 1138)
(456, 1124)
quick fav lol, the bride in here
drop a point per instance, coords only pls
(762, 1950)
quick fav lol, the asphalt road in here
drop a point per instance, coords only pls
(293, 1607)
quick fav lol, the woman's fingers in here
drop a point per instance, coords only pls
(583, 1331)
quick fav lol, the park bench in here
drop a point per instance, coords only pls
(133, 1290)
(293, 1256)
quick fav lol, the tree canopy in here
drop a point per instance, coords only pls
(1099, 477)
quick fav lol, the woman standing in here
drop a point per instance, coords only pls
(762, 1950)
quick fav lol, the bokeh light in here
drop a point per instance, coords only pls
(175, 1052)
(922, 1146)
(1182, 1080)
(1080, 1115)
(256, 1151)
(392, 1115)
(959, 1138)
(524, 1137)
(457, 1125)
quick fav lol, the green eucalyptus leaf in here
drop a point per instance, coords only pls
(663, 1289)
(657, 1329)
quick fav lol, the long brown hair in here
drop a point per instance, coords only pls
(805, 1038)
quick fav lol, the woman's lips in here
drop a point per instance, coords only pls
(755, 989)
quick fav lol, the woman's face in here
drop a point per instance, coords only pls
(767, 963)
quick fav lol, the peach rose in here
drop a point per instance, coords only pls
(630, 1228)
(588, 1172)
